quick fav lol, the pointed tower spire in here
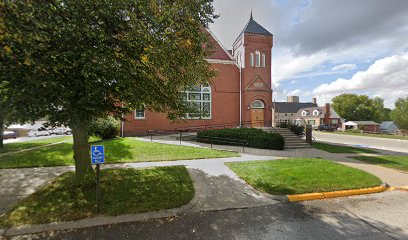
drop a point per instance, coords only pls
(251, 15)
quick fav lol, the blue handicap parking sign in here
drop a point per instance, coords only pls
(97, 154)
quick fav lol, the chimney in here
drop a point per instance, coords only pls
(293, 99)
(314, 101)
(326, 119)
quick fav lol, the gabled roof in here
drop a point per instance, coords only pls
(387, 124)
(220, 53)
(322, 111)
(361, 123)
(255, 28)
(291, 107)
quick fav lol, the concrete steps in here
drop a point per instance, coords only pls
(292, 141)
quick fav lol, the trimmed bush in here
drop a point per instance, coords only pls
(293, 127)
(297, 129)
(105, 128)
(256, 138)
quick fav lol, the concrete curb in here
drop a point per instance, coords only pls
(401, 188)
(334, 194)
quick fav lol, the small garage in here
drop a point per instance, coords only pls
(365, 126)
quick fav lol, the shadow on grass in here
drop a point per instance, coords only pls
(400, 164)
(116, 150)
(318, 220)
(123, 191)
(62, 155)
(269, 188)
(375, 160)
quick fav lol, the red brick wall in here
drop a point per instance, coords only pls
(225, 105)
(225, 93)
(252, 44)
(371, 128)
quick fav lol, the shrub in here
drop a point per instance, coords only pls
(105, 128)
(256, 138)
(297, 129)
(293, 127)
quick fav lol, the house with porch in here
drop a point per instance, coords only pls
(241, 93)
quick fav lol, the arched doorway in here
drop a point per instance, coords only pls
(257, 114)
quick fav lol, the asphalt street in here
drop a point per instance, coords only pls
(396, 145)
(375, 216)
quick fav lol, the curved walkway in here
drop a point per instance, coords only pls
(217, 186)
(390, 176)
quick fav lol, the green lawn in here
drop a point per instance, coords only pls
(117, 151)
(370, 135)
(123, 191)
(11, 147)
(340, 149)
(302, 175)
(396, 162)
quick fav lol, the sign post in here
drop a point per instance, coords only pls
(98, 157)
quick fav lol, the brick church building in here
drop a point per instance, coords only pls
(240, 94)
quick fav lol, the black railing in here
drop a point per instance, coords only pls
(229, 141)
(211, 140)
(244, 124)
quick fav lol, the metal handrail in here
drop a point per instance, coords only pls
(225, 140)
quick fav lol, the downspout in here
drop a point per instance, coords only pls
(240, 90)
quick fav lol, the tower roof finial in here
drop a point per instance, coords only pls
(251, 15)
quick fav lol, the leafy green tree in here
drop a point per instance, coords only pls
(400, 113)
(360, 108)
(77, 61)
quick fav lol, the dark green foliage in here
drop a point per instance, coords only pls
(360, 108)
(293, 127)
(105, 128)
(297, 129)
(256, 138)
(400, 113)
(284, 124)
(76, 61)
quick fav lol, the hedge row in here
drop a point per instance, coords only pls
(256, 138)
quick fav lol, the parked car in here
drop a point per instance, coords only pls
(60, 131)
(323, 127)
(9, 134)
(37, 133)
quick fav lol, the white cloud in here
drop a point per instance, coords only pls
(288, 65)
(386, 78)
(344, 67)
(295, 92)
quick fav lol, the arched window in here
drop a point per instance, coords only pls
(257, 104)
(257, 59)
(251, 59)
(198, 97)
(263, 59)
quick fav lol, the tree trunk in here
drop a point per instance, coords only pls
(81, 151)
(1, 132)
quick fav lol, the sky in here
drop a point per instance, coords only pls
(325, 48)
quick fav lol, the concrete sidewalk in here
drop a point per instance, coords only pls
(18, 183)
(210, 174)
(216, 188)
(390, 176)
